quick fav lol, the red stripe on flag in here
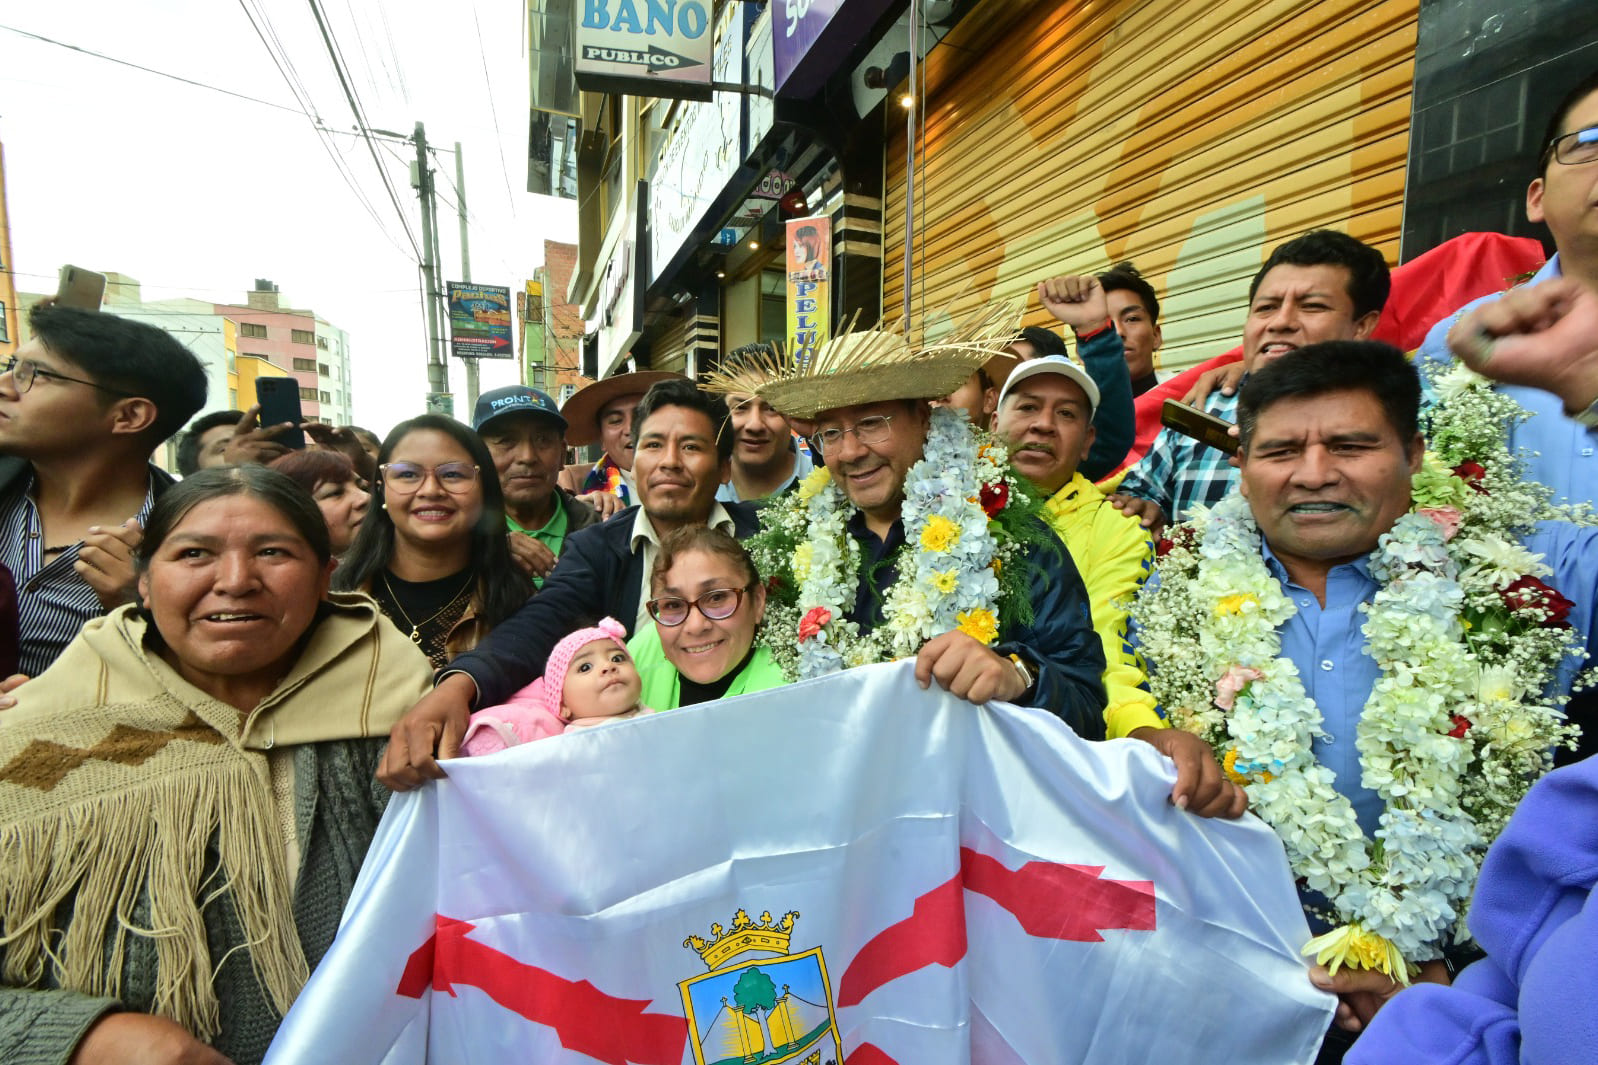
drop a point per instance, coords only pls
(588, 1021)
(933, 934)
(868, 1054)
(1061, 901)
(1052, 901)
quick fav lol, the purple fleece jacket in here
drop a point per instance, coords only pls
(1534, 999)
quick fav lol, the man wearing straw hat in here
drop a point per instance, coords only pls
(914, 540)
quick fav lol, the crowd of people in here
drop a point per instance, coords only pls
(216, 681)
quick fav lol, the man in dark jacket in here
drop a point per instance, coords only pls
(82, 407)
(682, 450)
(524, 431)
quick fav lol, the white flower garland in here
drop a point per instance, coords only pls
(1455, 729)
(947, 570)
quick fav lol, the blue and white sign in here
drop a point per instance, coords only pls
(645, 47)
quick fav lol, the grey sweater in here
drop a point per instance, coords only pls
(337, 804)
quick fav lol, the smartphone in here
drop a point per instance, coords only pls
(1203, 427)
(279, 398)
(80, 288)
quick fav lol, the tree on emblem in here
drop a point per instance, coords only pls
(756, 996)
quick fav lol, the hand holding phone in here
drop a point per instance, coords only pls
(1202, 426)
(80, 288)
(279, 399)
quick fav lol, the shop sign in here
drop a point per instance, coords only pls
(796, 26)
(479, 321)
(701, 154)
(645, 47)
(809, 285)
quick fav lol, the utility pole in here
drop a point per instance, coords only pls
(472, 381)
(438, 400)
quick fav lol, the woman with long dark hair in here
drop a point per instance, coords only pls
(432, 551)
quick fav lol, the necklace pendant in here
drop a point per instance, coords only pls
(416, 636)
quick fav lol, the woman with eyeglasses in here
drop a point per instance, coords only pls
(708, 604)
(432, 551)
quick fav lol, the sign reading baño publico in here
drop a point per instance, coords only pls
(645, 47)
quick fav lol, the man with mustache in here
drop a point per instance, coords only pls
(1046, 416)
(1321, 286)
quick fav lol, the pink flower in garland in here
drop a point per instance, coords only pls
(813, 622)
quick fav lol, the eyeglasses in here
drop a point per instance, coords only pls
(404, 478)
(1574, 148)
(718, 604)
(24, 371)
(872, 430)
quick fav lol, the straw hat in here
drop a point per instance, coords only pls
(582, 410)
(870, 366)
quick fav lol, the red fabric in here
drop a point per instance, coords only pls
(1425, 291)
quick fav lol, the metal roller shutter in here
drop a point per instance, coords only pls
(1190, 139)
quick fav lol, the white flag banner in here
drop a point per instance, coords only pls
(849, 871)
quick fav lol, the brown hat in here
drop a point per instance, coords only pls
(582, 410)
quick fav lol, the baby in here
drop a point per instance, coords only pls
(589, 680)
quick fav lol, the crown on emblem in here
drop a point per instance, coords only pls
(745, 934)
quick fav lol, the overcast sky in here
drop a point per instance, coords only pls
(197, 193)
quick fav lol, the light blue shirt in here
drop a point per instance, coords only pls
(1328, 647)
(1559, 452)
(802, 465)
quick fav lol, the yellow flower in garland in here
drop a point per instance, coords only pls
(1235, 604)
(979, 624)
(940, 534)
(1356, 948)
(1229, 767)
(802, 556)
(945, 581)
(814, 481)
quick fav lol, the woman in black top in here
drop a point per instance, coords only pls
(432, 550)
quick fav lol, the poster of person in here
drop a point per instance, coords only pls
(809, 284)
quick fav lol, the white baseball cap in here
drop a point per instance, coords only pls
(1055, 364)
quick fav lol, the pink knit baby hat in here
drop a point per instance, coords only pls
(561, 657)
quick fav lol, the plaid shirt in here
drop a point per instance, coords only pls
(53, 602)
(1179, 473)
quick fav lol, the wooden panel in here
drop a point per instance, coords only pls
(1190, 140)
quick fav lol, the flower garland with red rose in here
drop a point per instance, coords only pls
(1467, 638)
(965, 516)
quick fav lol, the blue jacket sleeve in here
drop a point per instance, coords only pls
(513, 655)
(1061, 643)
(1104, 356)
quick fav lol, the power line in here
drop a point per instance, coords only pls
(152, 70)
(499, 141)
(360, 121)
(297, 88)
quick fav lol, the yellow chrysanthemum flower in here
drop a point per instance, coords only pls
(814, 481)
(940, 534)
(1235, 604)
(945, 581)
(979, 624)
(1356, 948)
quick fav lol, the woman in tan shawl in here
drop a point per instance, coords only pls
(186, 795)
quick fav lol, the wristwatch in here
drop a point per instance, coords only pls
(1029, 676)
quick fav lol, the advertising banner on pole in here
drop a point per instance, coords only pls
(479, 321)
(809, 285)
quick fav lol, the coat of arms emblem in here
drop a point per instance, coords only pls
(759, 1004)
